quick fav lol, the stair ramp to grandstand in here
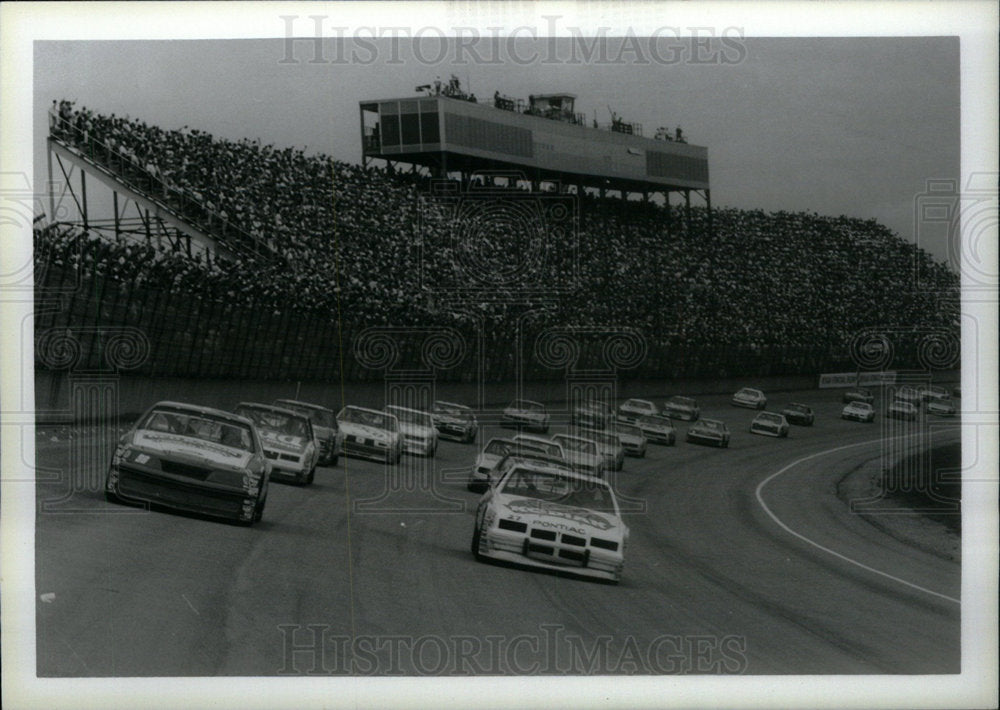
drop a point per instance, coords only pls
(162, 210)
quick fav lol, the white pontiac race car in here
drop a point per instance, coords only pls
(632, 409)
(657, 429)
(633, 440)
(859, 412)
(750, 398)
(288, 438)
(544, 516)
(370, 433)
(769, 424)
(420, 436)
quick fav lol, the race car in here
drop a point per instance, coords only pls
(542, 516)
(683, 408)
(633, 440)
(657, 429)
(906, 393)
(549, 446)
(191, 458)
(370, 433)
(592, 414)
(288, 438)
(930, 393)
(859, 411)
(455, 421)
(491, 454)
(709, 431)
(900, 409)
(609, 446)
(523, 413)
(941, 408)
(324, 427)
(581, 454)
(799, 414)
(631, 409)
(420, 436)
(750, 398)
(769, 424)
(858, 394)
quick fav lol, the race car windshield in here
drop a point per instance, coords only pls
(748, 393)
(639, 404)
(270, 420)
(628, 430)
(527, 406)
(862, 406)
(711, 424)
(554, 488)
(319, 417)
(452, 411)
(651, 420)
(199, 426)
(602, 438)
(378, 420)
(498, 447)
(681, 402)
(798, 408)
(770, 418)
(410, 416)
(578, 445)
(548, 447)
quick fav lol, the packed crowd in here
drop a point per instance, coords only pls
(380, 248)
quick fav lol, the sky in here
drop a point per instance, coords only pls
(838, 126)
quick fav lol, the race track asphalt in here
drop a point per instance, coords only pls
(741, 560)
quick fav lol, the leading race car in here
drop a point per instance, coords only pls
(455, 421)
(934, 393)
(657, 429)
(859, 411)
(941, 408)
(417, 428)
(859, 394)
(191, 458)
(581, 454)
(324, 424)
(900, 409)
(750, 398)
(633, 440)
(523, 413)
(370, 433)
(288, 438)
(709, 431)
(769, 424)
(543, 516)
(683, 408)
(631, 409)
(799, 414)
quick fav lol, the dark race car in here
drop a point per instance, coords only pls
(709, 431)
(191, 458)
(455, 421)
(799, 414)
(288, 438)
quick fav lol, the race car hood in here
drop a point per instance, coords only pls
(416, 429)
(583, 459)
(364, 430)
(543, 513)
(178, 447)
(278, 441)
(489, 460)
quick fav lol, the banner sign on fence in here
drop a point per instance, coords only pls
(857, 379)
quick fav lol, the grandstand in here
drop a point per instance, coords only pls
(307, 237)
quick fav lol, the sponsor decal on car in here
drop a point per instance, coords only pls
(533, 506)
(176, 444)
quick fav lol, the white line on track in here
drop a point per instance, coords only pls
(793, 464)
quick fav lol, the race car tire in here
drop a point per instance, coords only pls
(258, 511)
(476, 538)
(724, 444)
(310, 477)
